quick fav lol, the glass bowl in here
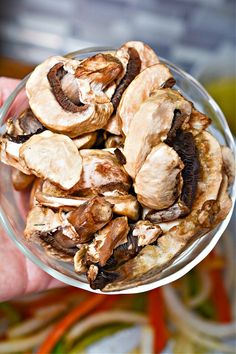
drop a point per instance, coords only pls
(13, 221)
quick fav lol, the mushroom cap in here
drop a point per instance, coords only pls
(20, 180)
(54, 157)
(51, 114)
(150, 125)
(228, 163)
(85, 141)
(9, 154)
(159, 182)
(148, 81)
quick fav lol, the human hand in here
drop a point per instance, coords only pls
(18, 275)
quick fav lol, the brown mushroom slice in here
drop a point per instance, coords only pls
(29, 123)
(85, 141)
(107, 239)
(126, 205)
(228, 163)
(152, 259)
(61, 165)
(9, 155)
(90, 217)
(41, 220)
(148, 81)
(147, 55)
(197, 122)
(101, 172)
(54, 109)
(152, 124)
(20, 180)
(146, 232)
(159, 181)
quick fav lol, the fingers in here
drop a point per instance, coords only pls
(7, 85)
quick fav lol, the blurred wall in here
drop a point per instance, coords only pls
(188, 32)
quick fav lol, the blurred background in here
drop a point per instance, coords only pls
(200, 37)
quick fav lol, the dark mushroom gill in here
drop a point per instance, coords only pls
(133, 69)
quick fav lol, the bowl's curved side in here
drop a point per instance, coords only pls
(195, 253)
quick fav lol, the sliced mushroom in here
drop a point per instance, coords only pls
(61, 165)
(228, 163)
(132, 70)
(51, 189)
(85, 141)
(41, 220)
(92, 272)
(107, 239)
(148, 81)
(146, 232)
(100, 70)
(126, 205)
(197, 123)
(159, 181)
(20, 180)
(51, 104)
(151, 125)
(151, 258)
(80, 260)
(147, 55)
(101, 172)
(9, 154)
(114, 141)
(29, 123)
(114, 125)
(90, 217)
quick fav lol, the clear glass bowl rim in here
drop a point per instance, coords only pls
(149, 286)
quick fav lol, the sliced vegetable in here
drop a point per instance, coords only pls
(102, 318)
(219, 296)
(95, 336)
(24, 343)
(157, 319)
(10, 312)
(60, 328)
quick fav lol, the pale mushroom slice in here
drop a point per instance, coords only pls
(153, 123)
(148, 81)
(80, 265)
(152, 259)
(20, 180)
(51, 104)
(183, 143)
(147, 55)
(101, 172)
(85, 141)
(228, 163)
(126, 205)
(90, 217)
(146, 232)
(9, 155)
(41, 220)
(159, 181)
(114, 125)
(107, 239)
(114, 141)
(54, 157)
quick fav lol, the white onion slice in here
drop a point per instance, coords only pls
(25, 343)
(177, 308)
(102, 318)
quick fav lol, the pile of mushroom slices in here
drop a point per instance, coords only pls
(122, 169)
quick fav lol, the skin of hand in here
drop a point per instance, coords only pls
(18, 275)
